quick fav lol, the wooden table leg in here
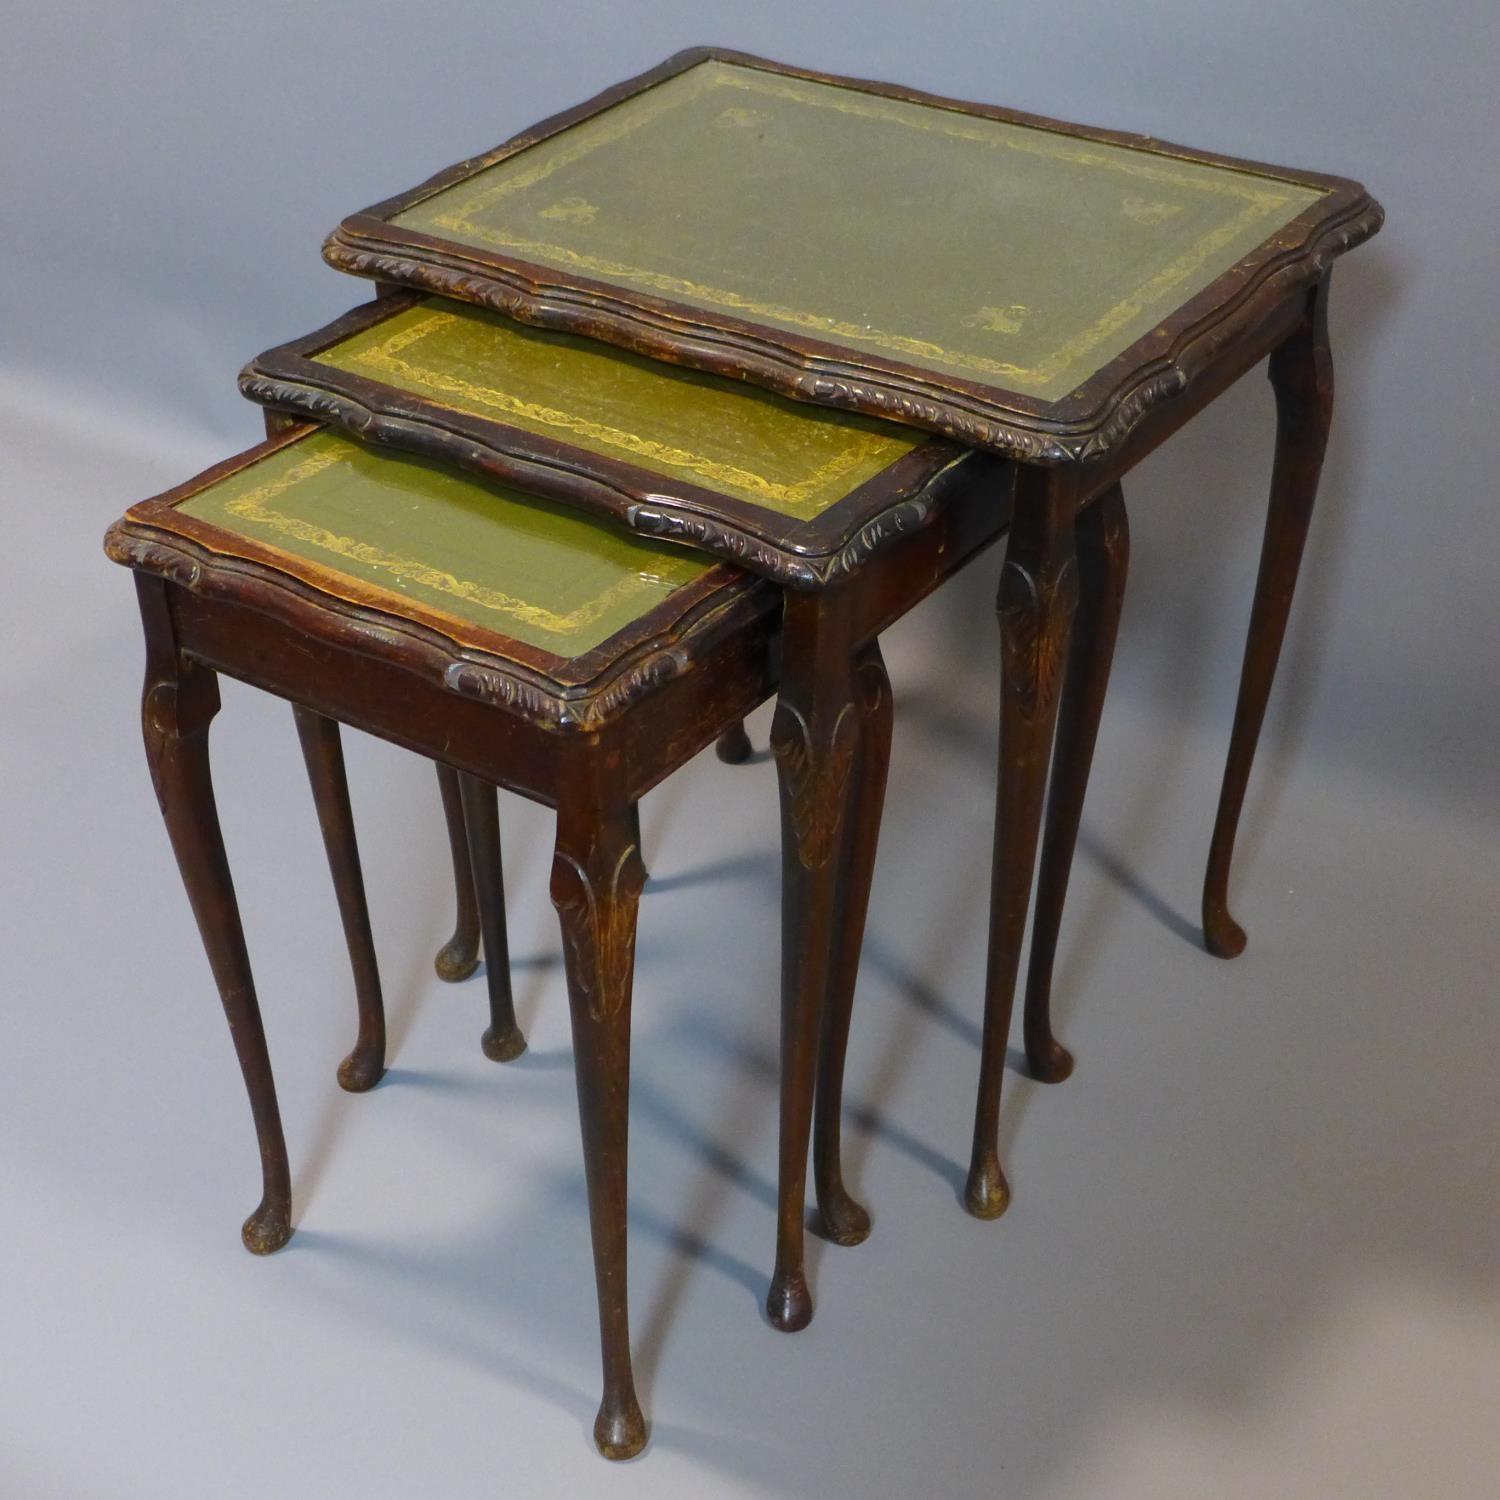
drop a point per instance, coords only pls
(1103, 538)
(814, 737)
(596, 885)
(459, 956)
(845, 1221)
(1301, 371)
(733, 746)
(502, 1040)
(178, 703)
(1038, 594)
(323, 751)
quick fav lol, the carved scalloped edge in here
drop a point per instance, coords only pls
(791, 569)
(312, 402)
(411, 645)
(709, 534)
(507, 292)
(174, 564)
(1111, 423)
(900, 520)
(1032, 440)
(506, 690)
(1197, 346)
(414, 435)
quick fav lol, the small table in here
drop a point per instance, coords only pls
(1063, 296)
(529, 647)
(522, 645)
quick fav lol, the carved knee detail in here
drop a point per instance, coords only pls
(596, 899)
(1033, 648)
(814, 769)
(179, 702)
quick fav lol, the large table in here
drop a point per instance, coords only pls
(1063, 296)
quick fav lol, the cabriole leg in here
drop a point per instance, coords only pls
(178, 703)
(1038, 593)
(459, 956)
(845, 1221)
(502, 1040)
(814, 737)
(324, 754)
(596, 885)
(1302, 377)
(1103, 537)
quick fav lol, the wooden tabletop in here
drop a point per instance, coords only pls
(1019, 284)
(396, 556)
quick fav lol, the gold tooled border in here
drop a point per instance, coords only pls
(253, 507)
(1040, 377)
(869, 450)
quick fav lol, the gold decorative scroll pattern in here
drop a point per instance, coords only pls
(863, 449)
(1260, 199)
(254, 506)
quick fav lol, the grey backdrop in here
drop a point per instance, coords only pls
(168, 172)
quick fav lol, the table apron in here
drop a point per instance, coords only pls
(643, 744)
(377, 697)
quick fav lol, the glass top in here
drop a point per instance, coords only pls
(539, 574)
(1005, 254)
(796, 460)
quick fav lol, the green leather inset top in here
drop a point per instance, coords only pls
(731, 438)
(538, 573)
(1010, 255)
